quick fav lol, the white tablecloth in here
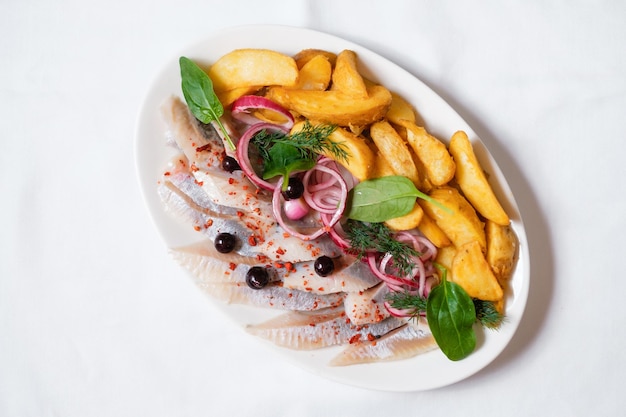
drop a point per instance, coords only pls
(97, 320)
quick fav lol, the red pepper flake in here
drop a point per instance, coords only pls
(245, 187)
(240, 214)
(278, 265)
(280, 251)
(193, 167)
(197, 228)
(312, 324)
(320, 289)
(355, 338)
(203, 148)
(290, 266)
(167, 174)
(371, 337)
(200, 183)
(308, 288)
(231, 181)
(286, 235)
(232, 266)
(208, 223)
(251, 240)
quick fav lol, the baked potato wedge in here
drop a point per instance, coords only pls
(473, 182)
(438, 163)
(253, 67)
(315, 74)
(346, 77)
(501, 250)
(455, 216)
(472, 272)
(394, 149)
(407, 222)
(334, 107)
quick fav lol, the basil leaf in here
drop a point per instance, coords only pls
(381, 199)
(451, 315)
(283, 159)
(201, 99)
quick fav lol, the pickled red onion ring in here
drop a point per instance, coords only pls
(243, 107)
(242, 152)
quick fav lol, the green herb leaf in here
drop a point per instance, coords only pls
(407, 301)
(383, 198)
(366, 237)
(487, 314)
(201, 99)
(451, 315)
(283, 160)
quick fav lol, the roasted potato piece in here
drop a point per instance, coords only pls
(438, 162)
(228, 97)
(400, 110)
(253, 67)
(334, 107)
(472, 272)
(407, 222)
(393, 148)
(457, 218)
(433, 232)
(306, 55)
(346, 77)
(360, 161)
(315, 74)
(501, 250)
(445, 257)
(473, 182)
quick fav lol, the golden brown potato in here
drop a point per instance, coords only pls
(315, 74)
(334, 107)
(407, 222)
(438, 163)
(471, 178)
(253, 67)
(228, 97)
(306, 55)
(472, 272)
(360, 161)
(429, 228)
(501, 250)
(393, 148)
(445, 257)
(400, 110)
(346, 77)
(457, 218)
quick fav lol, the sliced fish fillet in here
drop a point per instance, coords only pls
(404, 342)
(327, 327)
(367, 306)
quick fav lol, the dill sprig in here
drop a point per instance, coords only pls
(407, 301)
(487, 314)
(310, 141)
(367, 237)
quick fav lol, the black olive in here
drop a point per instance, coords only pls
(324, 266)
(295, 189)
(257, 277)
(225, 242)
(230, 164)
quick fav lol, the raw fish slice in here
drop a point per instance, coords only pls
(402, 343)
(271, 296)
(203, 149)
(267, 242)
(367, 306)
(329, 327)
(350, 274)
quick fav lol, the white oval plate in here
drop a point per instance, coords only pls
(427, 371)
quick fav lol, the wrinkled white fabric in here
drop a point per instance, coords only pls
(97, 320)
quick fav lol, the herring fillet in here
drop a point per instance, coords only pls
(323, 328)
(401, 343)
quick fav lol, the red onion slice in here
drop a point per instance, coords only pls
(242, 109)
(244, 159)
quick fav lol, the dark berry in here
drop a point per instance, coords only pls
(230, 164)
(295, 189)
(225, 242)
(257, 277)
(324, 266)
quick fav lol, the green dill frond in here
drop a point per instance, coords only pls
(487, 314)
(367, 237)
(406, 301)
